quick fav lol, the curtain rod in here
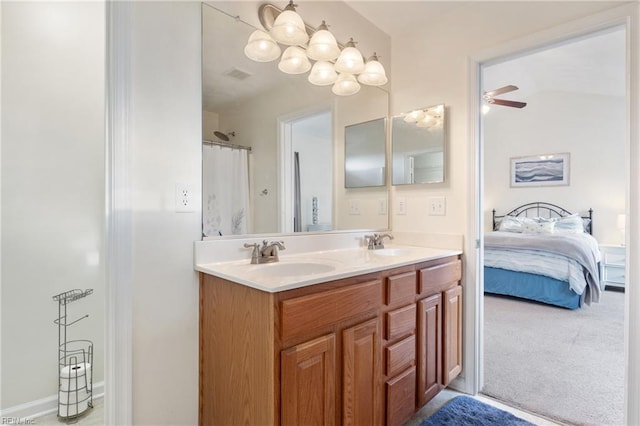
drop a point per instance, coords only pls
(227, 145)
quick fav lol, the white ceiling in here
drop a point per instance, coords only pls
(589, 65)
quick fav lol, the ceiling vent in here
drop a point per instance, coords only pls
(238, 74)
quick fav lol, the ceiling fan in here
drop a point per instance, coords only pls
(489, 97)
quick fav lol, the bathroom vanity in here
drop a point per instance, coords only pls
(367, 339)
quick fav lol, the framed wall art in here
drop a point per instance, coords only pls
(540, 170)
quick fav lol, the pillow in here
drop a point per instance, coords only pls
(535, 227)
(514, 224)
(569, 225)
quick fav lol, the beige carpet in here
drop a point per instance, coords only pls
(563, 364)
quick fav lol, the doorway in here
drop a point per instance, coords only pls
(579, 110)
(306, 155)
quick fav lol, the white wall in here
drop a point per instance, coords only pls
(52, 187)
(591, 128)
(165, 139)
(209, 125)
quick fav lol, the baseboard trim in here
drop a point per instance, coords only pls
(43, 406)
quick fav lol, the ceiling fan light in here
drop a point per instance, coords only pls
(289, 29)
(350, 60)
(323, 73)
(261, 47)
(323, 45)
(345, 85)
(373, 74)
(294, 61)
(414, 116)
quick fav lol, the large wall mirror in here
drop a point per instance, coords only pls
(273, 144)
(418, 146)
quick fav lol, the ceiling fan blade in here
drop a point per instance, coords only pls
(514, 104)
(501, 90)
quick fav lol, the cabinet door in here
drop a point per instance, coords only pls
(452, 324)
(429, 348)
(308, 382)
(361, 403)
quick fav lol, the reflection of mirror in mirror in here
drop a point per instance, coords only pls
(417, 146)
(260, 104)
(365, 146)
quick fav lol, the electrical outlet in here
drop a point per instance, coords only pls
(354, 207)
(437, 206)
(185, 198)
(401, 206)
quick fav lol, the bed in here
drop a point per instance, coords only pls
(542, 252)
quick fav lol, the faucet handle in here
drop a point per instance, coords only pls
(255, 253)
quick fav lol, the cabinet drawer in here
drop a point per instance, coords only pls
(616, 257)
(314, 312)
(400, 322)
(401, 397)
(440, 277)
(400, 355)
(614, 274)
(400, 288)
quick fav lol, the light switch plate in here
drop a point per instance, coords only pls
(401, 206)
(437, 206)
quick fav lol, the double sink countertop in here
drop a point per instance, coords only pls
(304, 269)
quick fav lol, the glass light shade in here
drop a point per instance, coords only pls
(323, 46)
(427, 121)
(261, 47)
(346, 85)
(414, 116)
(289, 29)
(323, 73)
(373, 74)
(350, 61)
(294, 61)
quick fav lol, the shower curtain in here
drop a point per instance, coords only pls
(225, 190)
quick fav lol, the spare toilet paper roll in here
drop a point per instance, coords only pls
(75, 376)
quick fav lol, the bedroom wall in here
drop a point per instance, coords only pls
(591, 128)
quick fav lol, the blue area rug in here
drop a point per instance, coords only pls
(466, 411)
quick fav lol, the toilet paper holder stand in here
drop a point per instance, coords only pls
(75, 362)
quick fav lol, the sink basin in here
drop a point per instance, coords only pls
(293, 269)
(392, 252)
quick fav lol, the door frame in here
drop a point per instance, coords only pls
(285, 162)
(628, 16)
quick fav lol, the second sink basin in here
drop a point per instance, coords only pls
(392, 252)
(293, 269)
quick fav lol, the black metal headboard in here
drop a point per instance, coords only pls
(541, 209)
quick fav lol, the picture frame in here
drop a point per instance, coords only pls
(540, 170)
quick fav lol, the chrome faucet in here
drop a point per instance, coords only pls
(266, 253)
(375, 241)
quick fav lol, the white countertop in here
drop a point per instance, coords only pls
(304, 269)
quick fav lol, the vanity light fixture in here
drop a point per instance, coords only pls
(294, 61)
(373, 74)
(332, 66)
(323, 45)
(261, 47)
(429, 118)
(289, 28)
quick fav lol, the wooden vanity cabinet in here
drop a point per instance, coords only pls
(346, 352)
(439, 326)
